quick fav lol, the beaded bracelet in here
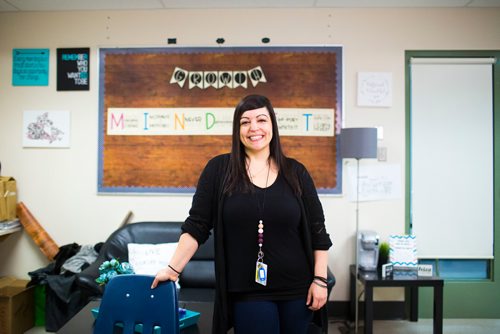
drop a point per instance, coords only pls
(321, 285)
(177, 272)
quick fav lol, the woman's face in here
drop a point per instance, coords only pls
(256, 129)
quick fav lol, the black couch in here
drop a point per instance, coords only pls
(198, 277)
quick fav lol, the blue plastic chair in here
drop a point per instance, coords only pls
(129, 302)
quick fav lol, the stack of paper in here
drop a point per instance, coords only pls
(7, 225)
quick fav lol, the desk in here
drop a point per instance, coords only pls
(83, 321)
(370, 280)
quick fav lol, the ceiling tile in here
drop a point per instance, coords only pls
(6, 7)
(391, 3)
(484, 3)
(237, 3)
(56, 5)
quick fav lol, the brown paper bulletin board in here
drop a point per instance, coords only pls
(168, 78)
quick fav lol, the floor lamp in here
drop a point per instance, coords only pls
(358, 143)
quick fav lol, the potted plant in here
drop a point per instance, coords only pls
(383, 253)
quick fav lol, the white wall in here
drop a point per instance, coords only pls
(59, 185)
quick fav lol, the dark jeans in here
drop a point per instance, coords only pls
(272, 317)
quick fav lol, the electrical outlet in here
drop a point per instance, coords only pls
(382, 154)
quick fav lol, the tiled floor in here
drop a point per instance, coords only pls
(423, 326)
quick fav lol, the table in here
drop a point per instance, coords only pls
(83, 321)
(406, 279)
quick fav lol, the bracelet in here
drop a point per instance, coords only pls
(321, 285)
(177, 272)
(322, 279)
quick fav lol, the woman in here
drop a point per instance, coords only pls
(271, 246)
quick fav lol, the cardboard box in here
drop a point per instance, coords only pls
(8, 198)
(17, 309)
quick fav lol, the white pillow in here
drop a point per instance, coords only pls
(147, 259)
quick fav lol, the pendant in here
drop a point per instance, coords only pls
(261, 273)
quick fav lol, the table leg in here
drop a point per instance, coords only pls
(438, 309)
(368, 309)
(413, 303)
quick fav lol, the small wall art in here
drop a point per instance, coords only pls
(48, 129)
(73, 69)
(30, 67)
(374, 89)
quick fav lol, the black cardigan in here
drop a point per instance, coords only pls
(206, 213)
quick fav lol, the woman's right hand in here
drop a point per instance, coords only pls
(184, 251)
(165, 274)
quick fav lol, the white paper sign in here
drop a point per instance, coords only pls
(374, 89)
(148, 259)
(403, 251)
(424, 270)
(376, 182)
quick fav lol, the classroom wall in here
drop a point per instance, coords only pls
(59, 186)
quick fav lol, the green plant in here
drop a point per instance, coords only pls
(383, 253)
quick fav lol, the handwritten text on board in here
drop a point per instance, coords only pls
(212, 121)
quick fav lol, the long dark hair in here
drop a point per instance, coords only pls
(237, 178)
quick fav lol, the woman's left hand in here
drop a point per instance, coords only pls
(316, 297)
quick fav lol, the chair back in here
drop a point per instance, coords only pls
(129, 301)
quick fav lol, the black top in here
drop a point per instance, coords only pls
(283, 247)
(206, 214)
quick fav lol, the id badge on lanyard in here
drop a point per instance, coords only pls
(261, 273)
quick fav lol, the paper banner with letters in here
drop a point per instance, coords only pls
(211, 121)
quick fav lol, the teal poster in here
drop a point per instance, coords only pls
(30, 67)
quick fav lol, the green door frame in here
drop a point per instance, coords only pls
(462, 299)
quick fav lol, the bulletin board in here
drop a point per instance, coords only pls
(164, 112)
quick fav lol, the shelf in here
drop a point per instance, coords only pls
(5, 233)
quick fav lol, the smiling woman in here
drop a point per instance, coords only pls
(269, 231)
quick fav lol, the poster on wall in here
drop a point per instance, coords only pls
(30, 67)
(374, 89)
(376, 182)
(164, 112)
(48, 129)
(73, 69)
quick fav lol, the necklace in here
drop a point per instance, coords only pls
(260, 266)
(256, 173)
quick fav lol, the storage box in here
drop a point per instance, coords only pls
(8, 198)
(17, 310)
